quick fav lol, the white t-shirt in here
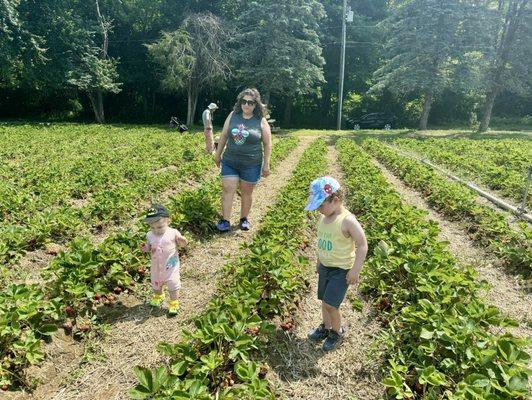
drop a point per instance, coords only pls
(207, 118)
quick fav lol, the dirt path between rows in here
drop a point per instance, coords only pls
(505, 292)
(137, 328)
(302, 370)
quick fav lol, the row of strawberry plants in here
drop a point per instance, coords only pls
(108, 206)
(485, 226)
(501, 165)
(58, 165)
(217, 359)
(437, 333)
(80, 280)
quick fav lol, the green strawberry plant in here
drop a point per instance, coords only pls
(438, 334)
(217, 359)
(86, 276)
(499, 164)
(486, 226)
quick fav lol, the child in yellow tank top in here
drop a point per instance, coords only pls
(342, 249)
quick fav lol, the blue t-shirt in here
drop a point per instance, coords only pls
(244, 142)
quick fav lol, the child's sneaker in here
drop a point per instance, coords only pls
(223, 225)
(333, 340)
(244, 224)
(173, 307)
(318, 334)
(156, 300)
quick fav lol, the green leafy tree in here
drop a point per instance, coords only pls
(426, 40)
(95, 72)
(509, 63)
(19, 47)
(279, 48)
(193, 57)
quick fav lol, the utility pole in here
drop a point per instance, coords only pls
(345, 16)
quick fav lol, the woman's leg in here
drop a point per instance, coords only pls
(246, 199)
(229, 186)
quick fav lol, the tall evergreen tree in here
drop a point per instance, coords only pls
(424, 45)
(509, 63)
(278, 47)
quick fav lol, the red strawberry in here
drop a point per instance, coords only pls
(97, 297)
(118, 290)
(286, 326)
(5, 388)
(70, 311)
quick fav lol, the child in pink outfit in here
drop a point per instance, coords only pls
(162, 242)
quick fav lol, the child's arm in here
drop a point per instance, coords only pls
(145, 247)
(357, 234)
(180, 239)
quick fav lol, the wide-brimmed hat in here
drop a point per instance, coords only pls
(212, 106)
(320, 189)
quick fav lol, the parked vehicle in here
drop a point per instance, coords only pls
(374, 121)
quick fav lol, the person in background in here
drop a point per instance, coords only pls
(207, 127)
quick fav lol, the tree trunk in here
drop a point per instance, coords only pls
(96, 100)
(427, 103)
(325, 105)
(486, 111)
(189, 107)
(145, 105)
(192, 102)
(287, 112)
(513, 20)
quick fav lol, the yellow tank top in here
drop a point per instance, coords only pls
(334, 249)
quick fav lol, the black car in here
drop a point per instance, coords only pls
(374, 121)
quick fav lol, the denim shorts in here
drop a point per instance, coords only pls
(332, 285)
(246, 173)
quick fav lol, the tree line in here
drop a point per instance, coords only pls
(426, 61)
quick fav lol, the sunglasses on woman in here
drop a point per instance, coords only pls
(248, 102)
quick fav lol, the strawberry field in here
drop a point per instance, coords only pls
(500, 165)
(75, 193)
(437, 337)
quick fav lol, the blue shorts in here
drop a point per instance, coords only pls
(246, 173)
(332, 285)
